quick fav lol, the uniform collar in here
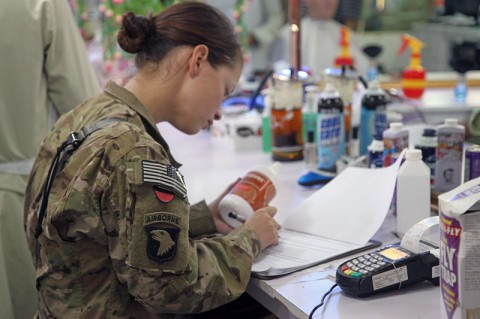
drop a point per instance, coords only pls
(127, 97)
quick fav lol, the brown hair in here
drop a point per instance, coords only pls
(189, 23)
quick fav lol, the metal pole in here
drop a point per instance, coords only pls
(294, 9)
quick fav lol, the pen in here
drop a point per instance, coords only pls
(237, 217)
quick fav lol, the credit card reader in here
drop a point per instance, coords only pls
(387, 268)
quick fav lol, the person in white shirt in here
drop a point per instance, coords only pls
(45, 71)
(263, 19)
(320, 37)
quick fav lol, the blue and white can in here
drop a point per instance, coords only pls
(331, 132)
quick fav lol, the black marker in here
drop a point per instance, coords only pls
(237, 217)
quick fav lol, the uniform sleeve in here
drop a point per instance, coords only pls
(71, 78)
(148, 227)
(201, 220)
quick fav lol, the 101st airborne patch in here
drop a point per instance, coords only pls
(162, 231)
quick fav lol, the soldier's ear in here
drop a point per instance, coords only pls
(198, 59)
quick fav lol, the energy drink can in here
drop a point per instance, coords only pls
(373, 116)
(331, 134)
(472, 163)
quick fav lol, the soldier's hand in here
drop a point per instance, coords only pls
(264, 226)
(221, 226)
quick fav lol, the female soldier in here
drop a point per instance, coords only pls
(110, 230)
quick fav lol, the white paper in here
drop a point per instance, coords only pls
(338, 218)
(412, 240)
(297, 250)
(350, 208)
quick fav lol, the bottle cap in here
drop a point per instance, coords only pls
(355, 132)
(451, 121)
(376, 146)
(374, 88)
(429, 132)
(396, 125)
(330, 91)
(312, 88)
(311, 136)
(414, 154)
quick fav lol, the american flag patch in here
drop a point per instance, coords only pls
(165, 177)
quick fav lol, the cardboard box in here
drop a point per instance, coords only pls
(460, 251)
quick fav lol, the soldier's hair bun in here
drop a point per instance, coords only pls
(134, 32)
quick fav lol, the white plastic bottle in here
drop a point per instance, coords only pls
(395, 139)
(254, 191)
(413, 191)
(449, 155)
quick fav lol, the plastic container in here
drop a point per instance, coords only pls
(395, 140)
(413, 191)
(373, 115)
(254, 191)
(414, 74)
(449, 155)
(286, 121)
(428, 146)
(331, 134)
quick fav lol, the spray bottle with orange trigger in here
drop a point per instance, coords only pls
(413, 76)
(344, 58)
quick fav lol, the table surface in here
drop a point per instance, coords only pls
(211, 164)
(436, 105)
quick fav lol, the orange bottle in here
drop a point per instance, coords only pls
(413, 76)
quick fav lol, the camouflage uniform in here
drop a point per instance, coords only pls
(116, 238)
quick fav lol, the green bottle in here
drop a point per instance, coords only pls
(266, 129)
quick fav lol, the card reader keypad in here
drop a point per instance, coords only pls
(363, 265)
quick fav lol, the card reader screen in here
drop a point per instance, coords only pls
(393, 253)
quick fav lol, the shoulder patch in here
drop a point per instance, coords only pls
(163, 196)
(162, 242)
(164, 177)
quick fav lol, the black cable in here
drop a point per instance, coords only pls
(259, 88)
(321, 303)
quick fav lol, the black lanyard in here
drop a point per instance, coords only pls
(64, 152)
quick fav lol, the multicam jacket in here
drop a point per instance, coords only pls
(116, 238)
